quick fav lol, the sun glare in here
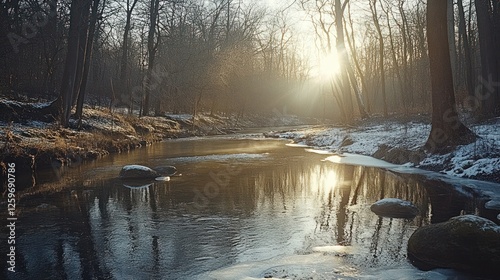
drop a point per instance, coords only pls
(328, 66)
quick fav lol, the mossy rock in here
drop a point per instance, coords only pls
(468, 243)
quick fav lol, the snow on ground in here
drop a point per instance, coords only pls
(364, 140)
(480, 159)
(180, 117)
(137, 167)
(354, 159)
(482, 223)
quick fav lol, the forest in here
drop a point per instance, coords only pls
(239, 139)
(335, 59)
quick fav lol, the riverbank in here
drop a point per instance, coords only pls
(34, 144)
(37, 145)
(401, 142)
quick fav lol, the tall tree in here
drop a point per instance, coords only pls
(347, 71)
(373, 7)
(352, 45)
(488, 17)
(451, 39)
(447, 129)
(79, 12)
(95, 14)
(395, 62)
(125, 49)
(407, 53)
(152, 46)
(465, 46)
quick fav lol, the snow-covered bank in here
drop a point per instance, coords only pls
(402, 143)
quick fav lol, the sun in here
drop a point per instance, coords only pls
(327, 67)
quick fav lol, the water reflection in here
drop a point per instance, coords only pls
(287, 202)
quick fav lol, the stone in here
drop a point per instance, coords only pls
(468, 243)
(45, 206)
(138, 172)
(394, 208)
(166, 170)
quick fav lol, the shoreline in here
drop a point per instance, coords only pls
(400, 142)
(36, 146)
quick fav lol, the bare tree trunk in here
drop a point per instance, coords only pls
(469, 81)
(407, 57)
(83, 28)
(395, 63)
(489, 55)
(65, 100)
(341, 51)
(451, 40)
(152, 46)
(88, 55)
(447, 129)
(373, 7)
(352, 45)
(123, 87)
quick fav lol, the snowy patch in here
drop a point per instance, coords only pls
(319, 152)
(297, 145)
(482, 223)
(41, 105)
(137, 167)
(353, 159)
(180, 117)
(493, 204)
(393, 201)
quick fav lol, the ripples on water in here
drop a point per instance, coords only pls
(282, 213)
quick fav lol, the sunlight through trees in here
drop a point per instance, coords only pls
(339, 60)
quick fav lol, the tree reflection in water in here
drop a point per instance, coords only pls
(286, 204)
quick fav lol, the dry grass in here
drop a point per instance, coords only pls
(102, 133)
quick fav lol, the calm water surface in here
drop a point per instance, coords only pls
(241, 208)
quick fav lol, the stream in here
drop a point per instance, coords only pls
(248, 208)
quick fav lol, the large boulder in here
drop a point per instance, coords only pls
(138, 172)
(394, 208)
(468, 243)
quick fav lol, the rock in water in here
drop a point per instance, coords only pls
(138, 172)
(468, 243)
(166, 170)
(394, 208)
